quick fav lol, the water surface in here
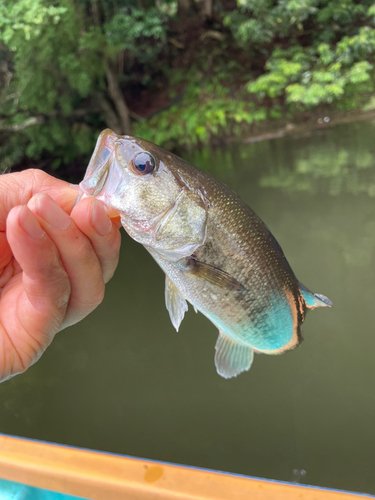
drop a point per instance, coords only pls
(124, 381)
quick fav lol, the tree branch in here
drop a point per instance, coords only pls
(37, 120)
(29, 122)
(118, 100)
(110, 116)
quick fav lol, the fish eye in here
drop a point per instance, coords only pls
(142, 164)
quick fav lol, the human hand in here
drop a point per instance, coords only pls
(54, 263)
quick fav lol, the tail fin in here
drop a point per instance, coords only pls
(314, 299)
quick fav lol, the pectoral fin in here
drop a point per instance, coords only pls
(176, 304)
(232, 358)
(213, 275)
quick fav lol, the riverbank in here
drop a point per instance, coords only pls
(302, 125)
(316, 121)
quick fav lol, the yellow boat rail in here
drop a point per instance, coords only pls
(104, 476)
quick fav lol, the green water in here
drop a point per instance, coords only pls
(124, 381)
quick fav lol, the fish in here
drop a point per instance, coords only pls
(216, 253)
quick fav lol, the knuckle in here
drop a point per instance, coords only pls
(115, 243)
(62, 298)
(108, 275)
(90, 301)
(98, 295)
(55, 285)
(55, 272)
(23, 184)
(84, 251)
(34, 178)
(109, 267)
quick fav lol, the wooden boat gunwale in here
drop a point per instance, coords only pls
(99, 475)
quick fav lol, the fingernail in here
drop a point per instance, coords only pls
(30, 224)
(52, 213)
(100, 220)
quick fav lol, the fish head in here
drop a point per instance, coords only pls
(128, 178)
(139, 181)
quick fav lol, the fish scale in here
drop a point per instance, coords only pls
(217, 254)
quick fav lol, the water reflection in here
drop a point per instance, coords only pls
(335, 161)
(124, 381)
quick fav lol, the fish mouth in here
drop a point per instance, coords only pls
(99, 166)
(92, 185)
(111, 212)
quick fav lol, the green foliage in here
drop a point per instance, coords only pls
(25, 19)
(260, 60)
(47, 67)
(285, 66)
(259, 21)
(11, 152)
(335, 67)
(342, 11)
(309, 77)
(59, 59)
(132, 29)
(203, 114)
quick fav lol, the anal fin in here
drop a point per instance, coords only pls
(175, 303)
(232, 358)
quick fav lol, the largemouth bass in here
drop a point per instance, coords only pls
(215, 251)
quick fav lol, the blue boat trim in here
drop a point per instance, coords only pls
(10, 490)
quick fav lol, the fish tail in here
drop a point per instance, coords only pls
(313, 300)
